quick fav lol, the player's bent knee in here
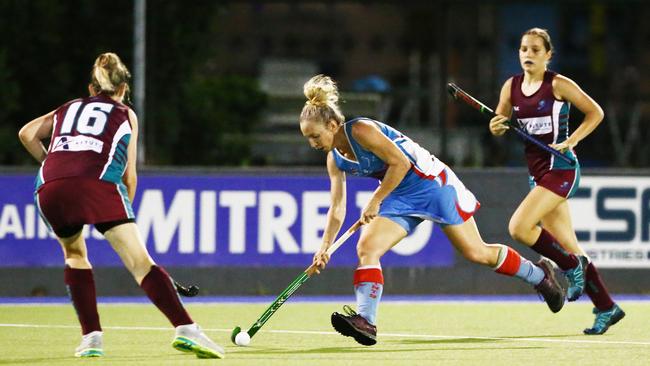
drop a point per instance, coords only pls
(516, 230)
(368, 253)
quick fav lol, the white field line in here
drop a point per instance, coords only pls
(310, 332)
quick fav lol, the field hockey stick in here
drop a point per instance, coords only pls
(189, 291)
(293, 286)
(460, 94)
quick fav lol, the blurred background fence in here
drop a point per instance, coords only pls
(223, 82)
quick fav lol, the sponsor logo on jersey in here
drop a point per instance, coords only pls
(537, 125)
(77, 143)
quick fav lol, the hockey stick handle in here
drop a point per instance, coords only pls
(297, 282)
(332, 248)
(459, 93)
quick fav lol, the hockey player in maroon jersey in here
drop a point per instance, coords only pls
(539, 101)
(88, 176)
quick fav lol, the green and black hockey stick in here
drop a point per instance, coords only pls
(293, 286)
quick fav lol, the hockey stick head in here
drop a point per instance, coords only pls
(234, 334)
(190, 291)
(453, 89)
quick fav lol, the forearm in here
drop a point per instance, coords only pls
(31, 142)
(131, 184)
(393, 177)
(335, 217)
(36, 149)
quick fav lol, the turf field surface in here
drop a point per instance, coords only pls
(410, 333)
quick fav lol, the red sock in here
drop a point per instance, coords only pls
(81, 288)
(160, 290)
(373, 275)
(596, 289)
(547, 246)
(510, 264)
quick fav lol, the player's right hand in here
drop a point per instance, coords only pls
(321, 258)
(498, 125)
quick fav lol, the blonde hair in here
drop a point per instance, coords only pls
(109, 73)
(543, 34)
(322, 100)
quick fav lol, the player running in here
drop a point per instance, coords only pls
(88, 176)
(415, 186)
(539, 100)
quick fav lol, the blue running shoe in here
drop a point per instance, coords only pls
(576, 278)
(605, 319)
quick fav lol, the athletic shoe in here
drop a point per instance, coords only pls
(549, 289)
(355, 326)
(190, 338)
(605, 319)
(576, 278)
(91, 345)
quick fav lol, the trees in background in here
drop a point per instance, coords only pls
(47, 48)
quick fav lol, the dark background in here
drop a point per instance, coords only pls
(224, 79)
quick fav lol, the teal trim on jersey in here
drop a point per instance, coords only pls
(576, 182)
(116, 168)
(38, 182)
(561, 164)
(125, 200)
(563, 123)
(562, 135)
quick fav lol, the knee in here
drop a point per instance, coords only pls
(367, 252)
(516, 230)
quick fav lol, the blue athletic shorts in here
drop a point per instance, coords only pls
(445, 201)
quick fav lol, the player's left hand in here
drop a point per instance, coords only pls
(321, 258)
(563, 146)
(370, 211)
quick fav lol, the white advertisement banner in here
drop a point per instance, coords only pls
(611, 216)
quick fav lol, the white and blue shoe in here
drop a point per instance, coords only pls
(190, 338)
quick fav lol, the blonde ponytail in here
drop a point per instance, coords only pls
(322, 100)
(109, 73)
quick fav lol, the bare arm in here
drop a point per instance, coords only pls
(566, 89)
(503, 111)
(33, 133)
(369, 136)
(335, 214)
(130, 177)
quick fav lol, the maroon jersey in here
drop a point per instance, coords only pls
(90, 137)
(545, 118)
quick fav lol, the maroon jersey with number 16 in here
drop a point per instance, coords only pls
(90, 138)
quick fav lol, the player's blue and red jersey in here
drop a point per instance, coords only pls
(544, 117)
(90, 137)
(429, 190)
